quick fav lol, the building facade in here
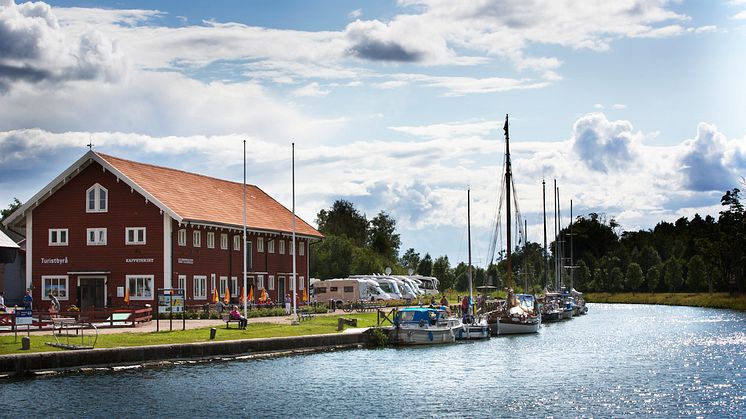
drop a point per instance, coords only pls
(107, 228)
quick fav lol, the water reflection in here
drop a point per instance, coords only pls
(618, 360)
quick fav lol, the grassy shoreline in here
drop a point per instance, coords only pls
(715, 300)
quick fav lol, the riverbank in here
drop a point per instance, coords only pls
(715, 300)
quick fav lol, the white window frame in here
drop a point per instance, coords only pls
(210, 240)
(260, 282)
(224, 241)
(199, 283)
(260, 244)
(214, 285)
(58, 281)
(181, 283)
(223, 285)
(271, 282)
(182, 237)
(301, 283)
(96, 189)
(196, 238)
(149, 279)
(99, 236)
(57, 233)
(237, 242)
(302, 248)
(282, 246)
(271, 246)
(135, 231)
(234, 286)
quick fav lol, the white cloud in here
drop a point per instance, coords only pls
(355, 14)
(452, 129)
(740, 15)
(619, 106)
(311, 90)
(603, 144)
(710, 161)
(598, 106)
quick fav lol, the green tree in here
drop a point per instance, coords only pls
(366, 261)
(649, 257)
(442, 271)
(634, 277)
(10, 210)
(673, 275)
(382, 237)
(616, 279)
(332, 258)
(425, 267)
(582, 275)
(410, 260)
(652, 277)
(461, 276)
(344, 220)
(696, 274)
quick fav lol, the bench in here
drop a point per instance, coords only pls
(306, 315)
(227, 319)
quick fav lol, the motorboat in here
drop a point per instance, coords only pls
(425, 325)
(519, 314)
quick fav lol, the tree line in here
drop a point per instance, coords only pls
(697, 255)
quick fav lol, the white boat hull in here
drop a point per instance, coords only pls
(473, 332)
(424, 336)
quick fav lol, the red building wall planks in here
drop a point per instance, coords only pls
(66, 208)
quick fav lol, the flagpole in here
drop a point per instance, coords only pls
(295, 298)
(243, 291)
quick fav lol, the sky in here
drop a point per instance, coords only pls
(636, 108)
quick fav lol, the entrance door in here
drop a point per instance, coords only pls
(92, 292)
(281, 289)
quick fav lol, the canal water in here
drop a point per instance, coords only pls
(619, 360)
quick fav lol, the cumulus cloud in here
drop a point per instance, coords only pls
(710, 161)
(35, 48)
(452, 129)
(602, 144)
(311, 90)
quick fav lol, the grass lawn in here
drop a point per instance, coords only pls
(317, 325)
(715, 300)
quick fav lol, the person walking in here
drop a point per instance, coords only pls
(287, 303)
(28, 300)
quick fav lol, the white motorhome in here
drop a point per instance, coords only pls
(340, 291)
(429, 284)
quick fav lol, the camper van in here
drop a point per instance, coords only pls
(339, 291)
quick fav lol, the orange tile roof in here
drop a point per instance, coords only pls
(202, 198)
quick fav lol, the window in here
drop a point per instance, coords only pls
(140, 287)
(348, 289)
(213, 286)
(97, 199)
(234, 286)
(282, 247)
(96, 236)
(332, 289)
(181, 284)
(319, 290)
(200, 287)
(291, 248)
(237, 242)
(134, 235)
(271, 245)
(224, 241)
(196, 238)
(56, 284)
(210, 240)
(249, 257)
(182, 237)
(271, 282)
(223, 286)
(260, 244)
(301, 283)
(260, 282)
(58, 237)
(302, 248)
(281, 280)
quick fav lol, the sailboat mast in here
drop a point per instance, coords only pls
(556, 240)
(561, 253)
(572, 261)
(468, 235)
(508, 184)
(546, 261)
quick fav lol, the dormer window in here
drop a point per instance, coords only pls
(97, 199)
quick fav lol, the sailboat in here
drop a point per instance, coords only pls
(519, 313)
(474, 327)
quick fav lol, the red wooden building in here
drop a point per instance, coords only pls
(108, 226)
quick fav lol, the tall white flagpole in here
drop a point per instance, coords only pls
(243, 291)
(295, 298)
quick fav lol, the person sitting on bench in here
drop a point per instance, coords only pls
(236, 315)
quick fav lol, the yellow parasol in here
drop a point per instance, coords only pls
(240, 297)
(227, 298)
(305, 295)
(264, 295)
(127, 295)
(214, 295)
(251, 294)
